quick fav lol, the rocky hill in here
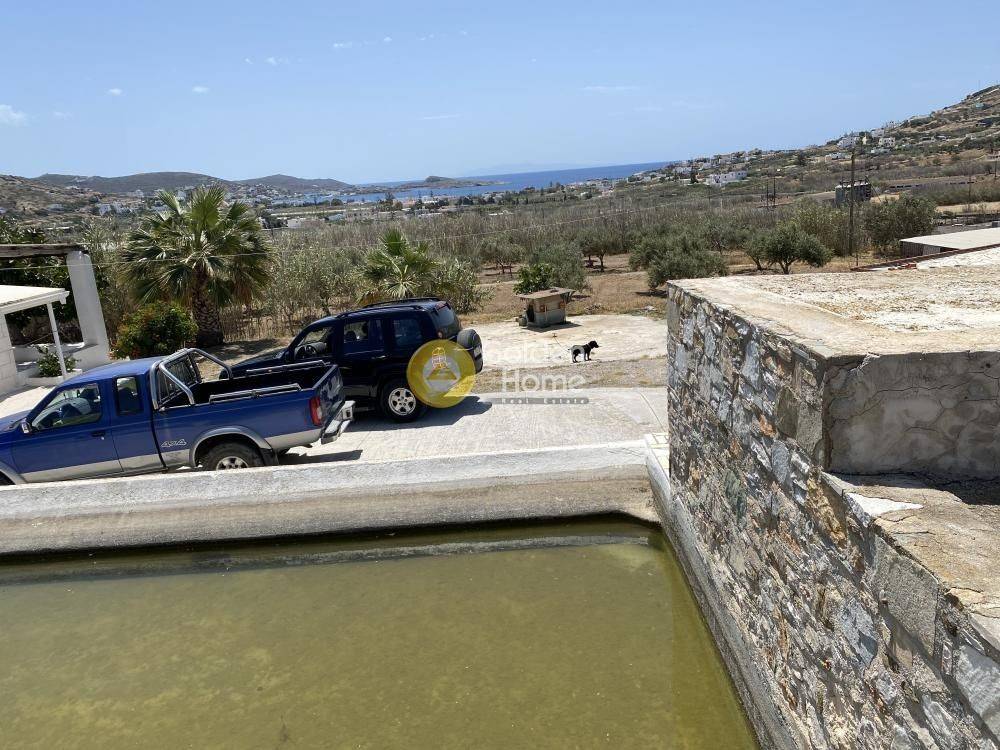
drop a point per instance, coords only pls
(23, 196)
(297, 184)
(151, 182)
(148, 182)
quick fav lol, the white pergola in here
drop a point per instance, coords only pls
(16, 298)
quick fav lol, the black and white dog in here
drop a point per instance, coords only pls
(583, 350)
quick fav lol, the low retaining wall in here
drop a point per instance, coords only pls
(838, 634)
(325, 498)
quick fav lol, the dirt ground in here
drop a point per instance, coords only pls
(619, 338)
(616, 290)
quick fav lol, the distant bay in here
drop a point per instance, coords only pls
(500, 183)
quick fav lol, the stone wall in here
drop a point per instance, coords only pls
(835, 635)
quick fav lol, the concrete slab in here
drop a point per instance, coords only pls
(490, 423)
(963, 300)
(620, 337)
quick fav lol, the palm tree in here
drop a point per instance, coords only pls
(204, 255)
(397, 269)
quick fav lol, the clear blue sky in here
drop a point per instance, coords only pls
(368, 91)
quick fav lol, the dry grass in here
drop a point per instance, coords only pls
(615, 291)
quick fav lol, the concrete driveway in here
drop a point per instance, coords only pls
(621, 337)
(484, 423)
(492, 423)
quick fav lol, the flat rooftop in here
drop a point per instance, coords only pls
(969, 240)
(914, 310)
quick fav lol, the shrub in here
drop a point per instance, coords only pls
(48, 363)
(678, 257)
(458, 283)
(888, 222)
(787, 243)
(566, 263)
(829, 224)
(533, 277)
(155, 330)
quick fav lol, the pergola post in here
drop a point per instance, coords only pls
(55, 335)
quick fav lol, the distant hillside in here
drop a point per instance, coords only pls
(21, 195)
(150, 182)
(297, 184)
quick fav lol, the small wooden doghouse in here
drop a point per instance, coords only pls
(546, 307)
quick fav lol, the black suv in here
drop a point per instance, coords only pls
(372, 346)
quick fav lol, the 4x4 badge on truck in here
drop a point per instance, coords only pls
(441, 373)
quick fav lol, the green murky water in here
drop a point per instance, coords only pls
(576, 635)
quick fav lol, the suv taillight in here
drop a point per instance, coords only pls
(316, 410)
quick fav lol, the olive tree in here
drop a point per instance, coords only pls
(887, 222)
(788, 244)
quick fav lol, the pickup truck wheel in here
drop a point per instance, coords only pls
(398, 402)
(231, 456)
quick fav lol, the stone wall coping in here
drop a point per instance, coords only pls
(954, 545)
(938, 530)
(826, 334)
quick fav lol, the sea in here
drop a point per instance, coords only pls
(507, 182)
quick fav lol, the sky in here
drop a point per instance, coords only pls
(364, 92)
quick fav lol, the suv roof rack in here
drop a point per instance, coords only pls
(402, 302)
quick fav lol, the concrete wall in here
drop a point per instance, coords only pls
(835, 636)
(922, 412)
(8, 365)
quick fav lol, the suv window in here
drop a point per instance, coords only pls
(445, 321)
(72, 406)
(406, 332)
(317, 338)
(362, 336)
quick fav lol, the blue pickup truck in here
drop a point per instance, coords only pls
(188, 409)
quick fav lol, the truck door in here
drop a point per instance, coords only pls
(70, 437)
(133, 434)
(361, 355)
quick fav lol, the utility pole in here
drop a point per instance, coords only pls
(850, 222)
(770, 194)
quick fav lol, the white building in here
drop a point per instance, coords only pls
(90, 352)
(887, 141)
(725, 178)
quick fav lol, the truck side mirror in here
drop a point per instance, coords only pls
(25, 427)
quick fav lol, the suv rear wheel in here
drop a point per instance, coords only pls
(231, 456)
(398, 402)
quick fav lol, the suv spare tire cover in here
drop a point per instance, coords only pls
(468, 338)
